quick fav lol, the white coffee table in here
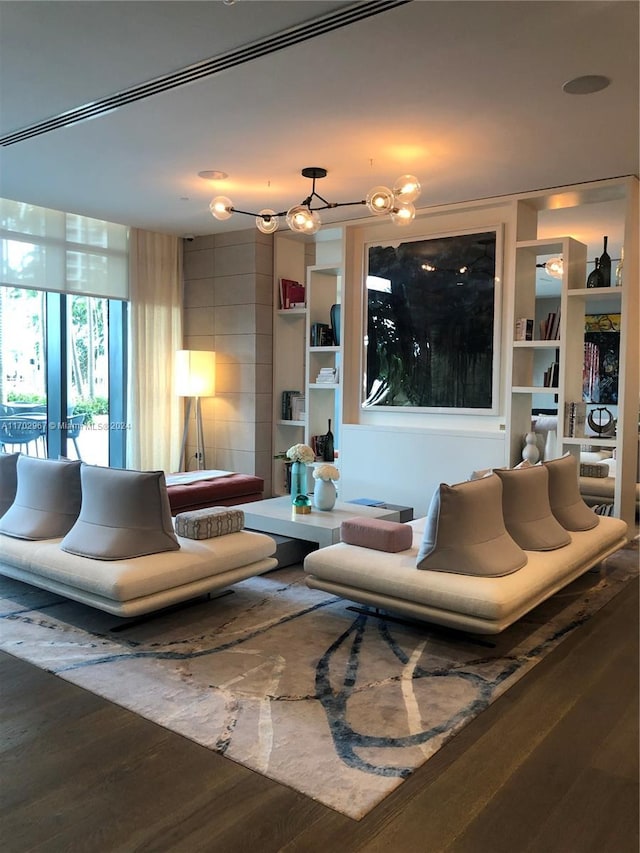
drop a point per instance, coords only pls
(277, 516)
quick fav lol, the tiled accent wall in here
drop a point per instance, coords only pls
(228, 292)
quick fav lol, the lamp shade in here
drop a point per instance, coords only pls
(195, 373)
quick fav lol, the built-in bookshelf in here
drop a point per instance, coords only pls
(556, 331)
(307, 368)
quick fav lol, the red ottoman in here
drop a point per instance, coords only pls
(217, 489)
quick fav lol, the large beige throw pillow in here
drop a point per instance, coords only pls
(8, 480)
(526, 509)
(47, 500)
(124, 514)
(465, 532)
(564, 495)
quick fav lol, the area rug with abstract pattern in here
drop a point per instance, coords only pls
(290, 682)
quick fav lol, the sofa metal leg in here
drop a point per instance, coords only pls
(148, 617)
(424, 626)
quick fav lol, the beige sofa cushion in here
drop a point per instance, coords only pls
(8, 480)
(136, 577)
(527, 511)
(47, 500)
(124, 514)
(564, 495)
(465, 532)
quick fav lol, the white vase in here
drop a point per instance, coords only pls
(530, 452)
(324, 495)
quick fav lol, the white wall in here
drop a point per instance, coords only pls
(405, 465)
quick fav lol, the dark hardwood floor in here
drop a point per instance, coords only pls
(551, 767)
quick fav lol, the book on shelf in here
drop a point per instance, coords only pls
(321, 335)
(298, 408)
(551, 375)
(316, 442)
(286, 404)
(550, 328)
(292, 294)
(524, 329)
(575, 416)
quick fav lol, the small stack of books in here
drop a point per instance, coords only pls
(328, 375)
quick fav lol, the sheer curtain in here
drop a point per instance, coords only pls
(155, 333)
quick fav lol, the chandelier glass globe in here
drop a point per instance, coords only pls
(220, 207)
(303, 220)
(555, 267)
(380, 200)
(267, 221)
(403, 214)
(406, 188)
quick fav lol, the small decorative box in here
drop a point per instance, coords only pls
(209, 522)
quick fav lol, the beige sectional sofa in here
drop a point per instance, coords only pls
(480, 605)
(138, 585)
(106, 538)
(479, 579)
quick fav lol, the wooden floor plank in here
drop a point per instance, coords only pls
(567, 756)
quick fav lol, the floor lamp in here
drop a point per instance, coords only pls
(195, 378)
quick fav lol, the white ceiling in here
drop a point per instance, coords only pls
(465, 95)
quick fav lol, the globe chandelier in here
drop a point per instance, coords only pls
(304, 218)
(553, 267)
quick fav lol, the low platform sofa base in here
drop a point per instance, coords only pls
(139, 585)
(479, 605)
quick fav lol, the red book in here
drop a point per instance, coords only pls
(288, 290)
(296, 295)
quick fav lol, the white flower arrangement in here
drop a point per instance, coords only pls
(301, 453)
(326, 472)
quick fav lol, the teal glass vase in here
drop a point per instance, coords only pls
(298, 480)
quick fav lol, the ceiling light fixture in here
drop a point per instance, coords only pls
(213, 175)
(586, 85)
(397, 202)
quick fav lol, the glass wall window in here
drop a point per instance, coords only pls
(63, 286)
(23, 396)
(88, 379)
(27, 364)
